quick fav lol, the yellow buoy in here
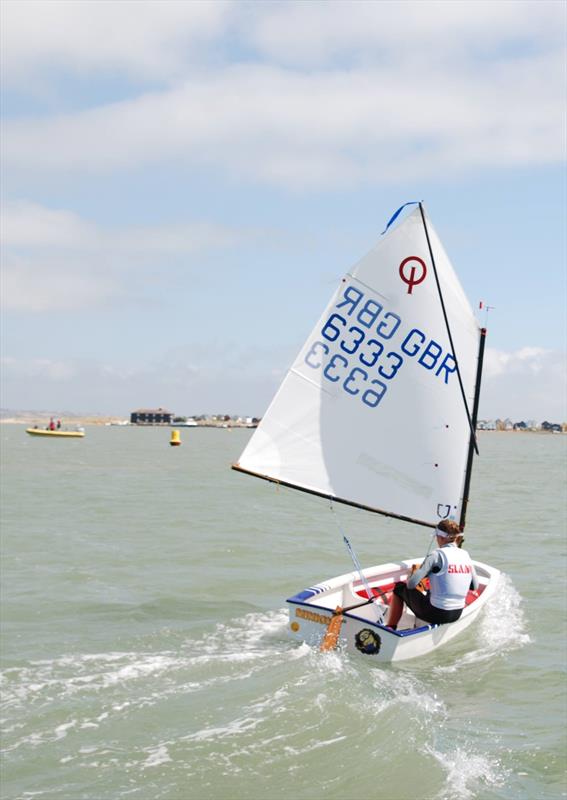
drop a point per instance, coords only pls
(175, 440)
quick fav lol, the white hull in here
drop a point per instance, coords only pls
(362, 630)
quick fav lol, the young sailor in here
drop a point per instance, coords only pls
(451, 574)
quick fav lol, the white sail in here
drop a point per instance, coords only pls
(371, 412)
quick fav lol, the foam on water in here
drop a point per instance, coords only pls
(157, 757)
(241, 641)
(231, 652)
(324, 702)
(467, 773)
(500, 629)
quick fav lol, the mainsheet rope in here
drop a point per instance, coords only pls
(357, 566)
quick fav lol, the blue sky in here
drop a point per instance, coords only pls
(184, 183)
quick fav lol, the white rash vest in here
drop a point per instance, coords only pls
(451, 573)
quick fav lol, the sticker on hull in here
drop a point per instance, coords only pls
(367, 642)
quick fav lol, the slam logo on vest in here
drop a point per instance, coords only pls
(461, 568)
(367, 642)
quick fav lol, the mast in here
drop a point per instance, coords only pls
(472, 442)
(471, 425)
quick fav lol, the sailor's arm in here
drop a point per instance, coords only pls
(474, 579)
(428, 566)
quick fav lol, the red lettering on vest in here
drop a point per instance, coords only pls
(459, 568)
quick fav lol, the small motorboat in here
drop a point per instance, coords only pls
(61, 434)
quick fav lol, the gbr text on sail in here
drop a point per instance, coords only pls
(362, 348)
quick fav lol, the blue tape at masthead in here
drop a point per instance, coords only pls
(398, 212)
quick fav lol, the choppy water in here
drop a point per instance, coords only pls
(144, 651)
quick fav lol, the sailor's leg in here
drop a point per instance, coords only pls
(396, 609)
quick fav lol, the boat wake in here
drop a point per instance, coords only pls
(466, 772)
(501, 628)
(241, 702)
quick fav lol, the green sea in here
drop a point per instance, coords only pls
(144, 651)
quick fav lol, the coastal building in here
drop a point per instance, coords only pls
(151, 416)
(554, 427)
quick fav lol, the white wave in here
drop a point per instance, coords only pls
(501, 628)
(66, 676)
(61, 730)
(271, 701)
(313, 744)
(233, 728)
(232, 652)
(251, 638)
(247, 635)
(466, 773)
(157, 756)
(408, 689)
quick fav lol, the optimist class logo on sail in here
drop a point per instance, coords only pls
(409, 277)
(363, 346)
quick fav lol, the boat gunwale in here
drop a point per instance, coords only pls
(491, 575)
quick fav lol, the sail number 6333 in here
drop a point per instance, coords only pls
(353, 380)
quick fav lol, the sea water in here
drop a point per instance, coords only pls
(144, 648)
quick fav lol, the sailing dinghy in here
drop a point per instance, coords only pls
(378, 411)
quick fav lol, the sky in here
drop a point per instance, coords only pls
(185, 183)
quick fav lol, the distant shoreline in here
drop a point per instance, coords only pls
(43, 421)
(111, 421)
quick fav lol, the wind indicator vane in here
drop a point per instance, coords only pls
(481, 305)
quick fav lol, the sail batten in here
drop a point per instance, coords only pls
(373, 412)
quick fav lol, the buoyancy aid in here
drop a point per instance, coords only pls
(450, 585)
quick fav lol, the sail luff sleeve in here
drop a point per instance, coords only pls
(473, 434)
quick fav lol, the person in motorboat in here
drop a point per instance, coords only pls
(451, 574)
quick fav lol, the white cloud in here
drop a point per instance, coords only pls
(53, 260)
(345, 94)
(529, 383)
(267, 124)
(190, 380)
(161, 39)
(40, 369)
(26, 224)
(412, 32)
(56, 283)
(148, 39)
